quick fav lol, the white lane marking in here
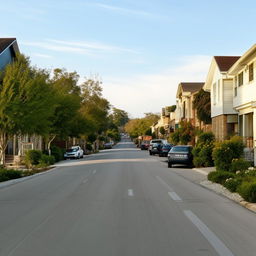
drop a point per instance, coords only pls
(164, 183)
(94, 171)
(84, 181)
(130, 192)
(216, 243)
(174, 196)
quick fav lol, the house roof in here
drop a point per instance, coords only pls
(5, 42)
(246, 57)
(191, 87)
(225, 62)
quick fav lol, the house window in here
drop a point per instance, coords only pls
(241, 79)
(250, 72)
(235, 87)
(214, 93)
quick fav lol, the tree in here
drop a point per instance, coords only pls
(141, 126)
(184, 134)
(202, 105)
(26, 102)
(162, 130)
(67, 105)
(120, 117)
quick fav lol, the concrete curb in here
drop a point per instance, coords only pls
(15, 181)
(245, 204)
(200, 171)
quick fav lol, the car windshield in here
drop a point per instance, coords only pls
(180, 149)
(72, 150)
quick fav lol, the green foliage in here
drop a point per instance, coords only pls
(239, 165)
(119, 117)
(232, 184)
(47, 160)
(140, 126)
(57, 153)
(92, 137)
(33, 157)
(248, 191)
(202, 152)
(202, 104)
(113, 134)
(89, 146)
(171, 108)
(9, 174)
(162, 130)
(184, 134)
(220, 176)
(224, 153)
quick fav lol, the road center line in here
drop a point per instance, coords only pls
(130, 192)
(174, 196)
(164, 183)
(216, 243)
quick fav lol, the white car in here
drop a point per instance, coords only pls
(74, 152)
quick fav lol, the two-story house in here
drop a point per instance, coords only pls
(244, 96)
(220, 85)
(184, 103)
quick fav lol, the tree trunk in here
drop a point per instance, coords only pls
(49, 144)
(3, 145)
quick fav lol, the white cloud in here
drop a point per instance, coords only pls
(151, 92)
(40, 55)
(79, 47)
(128, 11)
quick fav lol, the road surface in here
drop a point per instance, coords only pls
(121, 202)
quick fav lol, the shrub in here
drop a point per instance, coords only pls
(224, 152)
(9, 174)
(47, 160)
(89, 146)
(57, 152)
(232, 184)
(220, 176)
(32, 157)
(239, 165)
(248, 191)
(202, 152)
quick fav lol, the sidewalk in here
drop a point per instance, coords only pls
(219, 189)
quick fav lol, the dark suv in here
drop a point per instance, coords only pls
(180, 155)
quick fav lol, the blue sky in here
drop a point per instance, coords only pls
(140, 49)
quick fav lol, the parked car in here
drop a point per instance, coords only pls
(144, 145)
(156, 148)
(164, 149)
(74, 152)
(158, 141)
(180, 155)
(108, 145)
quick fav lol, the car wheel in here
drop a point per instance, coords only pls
(82, 156)
(169, 165)
(150, 153)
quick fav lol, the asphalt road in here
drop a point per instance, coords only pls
(121, 202)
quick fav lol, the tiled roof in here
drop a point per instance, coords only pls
(191, 87)
(5, 42)
(225, 62)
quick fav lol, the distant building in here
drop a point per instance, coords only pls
(184, 103)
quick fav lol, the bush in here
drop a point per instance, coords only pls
(33, 157)
(224, 152)
(47, 160)
(57, 152)
(239, 165)
(232, 184)
(220, 176)
(89, 146)
(9, 174)
(202, 152)
(248, 191)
